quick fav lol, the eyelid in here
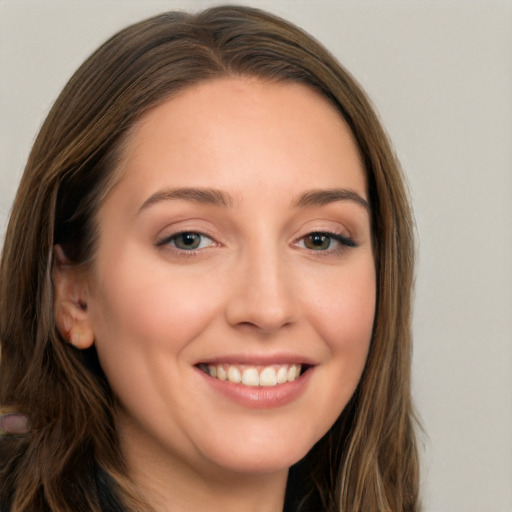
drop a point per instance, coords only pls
(344, 241)
(165, 241)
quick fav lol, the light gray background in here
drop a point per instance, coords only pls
(440, 74)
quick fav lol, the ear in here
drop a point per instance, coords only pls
(71, 314)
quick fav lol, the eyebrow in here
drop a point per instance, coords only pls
(323, 197)
(196, 195)
(217, 197)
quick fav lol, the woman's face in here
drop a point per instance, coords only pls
(236, 245)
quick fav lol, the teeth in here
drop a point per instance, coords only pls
(268, 377)
(281, 375)
(234, 374)
(221, 373)
(292, 373)
(252, 376)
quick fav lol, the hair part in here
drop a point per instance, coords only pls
(368, 459)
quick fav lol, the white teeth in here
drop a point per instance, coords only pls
(252, 376)
(268, 377)
(281, 375)
(234, 374)
(292, 373)
(221, 373)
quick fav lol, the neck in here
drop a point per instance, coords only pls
(178, 494)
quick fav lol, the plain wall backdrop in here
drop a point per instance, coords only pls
(440, 75)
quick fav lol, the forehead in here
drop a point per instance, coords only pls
(228, 129)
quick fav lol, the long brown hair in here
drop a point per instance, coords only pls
(368, 459)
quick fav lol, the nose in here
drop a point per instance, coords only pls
(262, 297)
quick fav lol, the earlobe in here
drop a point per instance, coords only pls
(71, 312)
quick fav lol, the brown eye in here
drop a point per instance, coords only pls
(189, 241)
(318, 241)
(324, 241)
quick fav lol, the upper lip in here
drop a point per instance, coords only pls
(259, 359)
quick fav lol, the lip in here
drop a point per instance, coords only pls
(260, 359)
(258, 397)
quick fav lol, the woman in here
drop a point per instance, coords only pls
(206, 283)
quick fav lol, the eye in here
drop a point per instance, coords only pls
(323, 241)
(187, 241)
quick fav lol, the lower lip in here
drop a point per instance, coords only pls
(260, 397)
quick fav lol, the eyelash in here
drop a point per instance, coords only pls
(343, 241)
(167, 241)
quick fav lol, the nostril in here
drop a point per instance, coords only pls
(262, 305)
(264, 326)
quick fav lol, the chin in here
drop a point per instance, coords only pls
(260, 456)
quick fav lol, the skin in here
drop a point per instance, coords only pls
(256, 287)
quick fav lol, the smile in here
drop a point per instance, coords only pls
(262, 376)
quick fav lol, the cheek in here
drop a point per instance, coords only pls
(344, 313)
(344, 317)
(144, 292)
(141, 312)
